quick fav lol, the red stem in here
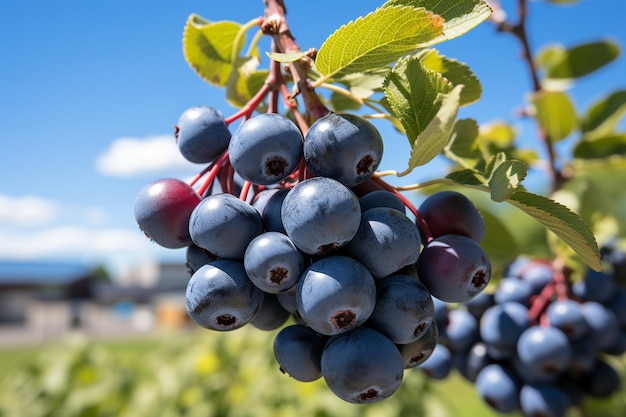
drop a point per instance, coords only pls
(217, 166)
(540, 303)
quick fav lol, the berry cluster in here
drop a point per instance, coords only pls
(292, 225)
(536, 344)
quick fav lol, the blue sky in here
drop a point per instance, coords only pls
(90, 92)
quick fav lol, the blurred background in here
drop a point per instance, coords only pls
(89, 96)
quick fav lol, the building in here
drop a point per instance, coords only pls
(22, 282)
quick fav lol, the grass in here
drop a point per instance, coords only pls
(16, 357)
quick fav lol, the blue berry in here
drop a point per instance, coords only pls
(499, 388)
(381, 198)
(298, 351)
(224, 225)
(543, 400)
(220, 296)
(414, 353)
(273, 263)
(266, 148)
(501, 326)
(461, 331)
(345, 147)
(567, 316)
(404, 309)
(439, 364)
(450, 212)
(320, 214)
(544, 352)
(362, 366)
(202, 134)
(595, 286)
(454, 268)
(335, 294)
(271, 315)
(386, 241)
(513, 289)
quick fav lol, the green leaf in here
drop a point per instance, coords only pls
(208, 47)
(244, 81)
(604, 115)
(459, 16)
(341, 103)
(364, 84)
(499, 133)
(565, 64)
(499, 243)
(601, 147)
(456, 72)
(505, 179)
(376, 40)
(555, 114)
(563, 222)
(468, 177)
(426, 104)
(286, 57)
(462, 147)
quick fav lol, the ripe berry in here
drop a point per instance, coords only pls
(362, 366)
(450, 212)
(220, 296)
(266, 148)
(454, 268)
(320, 214)
(163, 209)
(202, 134)
(335, 294)
(345, 147)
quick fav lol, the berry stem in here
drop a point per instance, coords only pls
(251, 105)
(540, 303)
(217, 166)
(243, 195)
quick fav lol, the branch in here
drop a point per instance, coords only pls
(518, 29)
(275, 25)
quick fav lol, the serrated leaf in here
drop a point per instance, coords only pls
(459, 16)
(413, 93)
(426, 104)
(505, 178)
(601, 147)
(555, 113)
(208, 46)
(456, 72)
(604, 115)
(286, 57)
(563, 63)
(376, 40)
(563, 222)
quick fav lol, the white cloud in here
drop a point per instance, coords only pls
(27, 210)
(118, 248)
(127, 157)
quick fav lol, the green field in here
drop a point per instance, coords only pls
(203, 374)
